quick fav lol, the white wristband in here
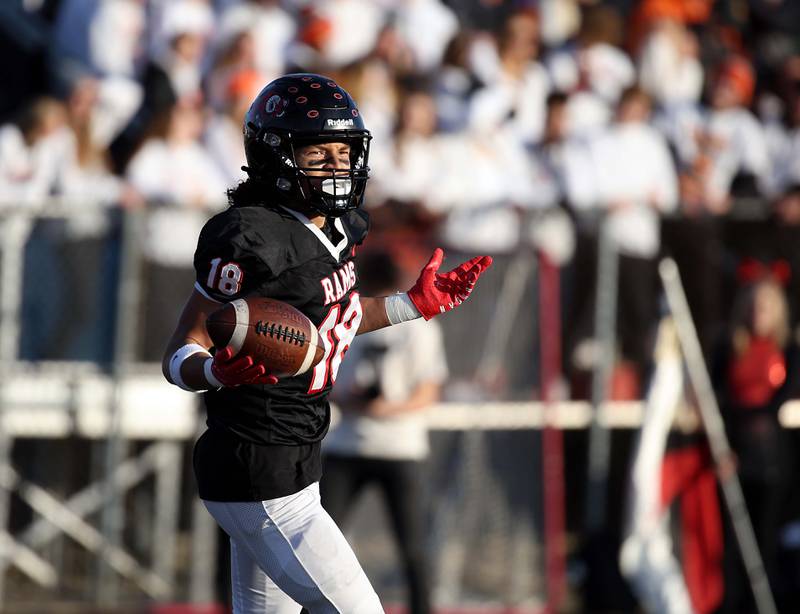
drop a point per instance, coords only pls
(399, 308)
(175, 363)
(215, 383)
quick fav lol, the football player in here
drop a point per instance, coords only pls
(290, 234)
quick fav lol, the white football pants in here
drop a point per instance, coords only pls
(288, 552)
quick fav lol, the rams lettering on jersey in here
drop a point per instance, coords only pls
(336, 285)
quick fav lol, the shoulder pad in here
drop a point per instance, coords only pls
(244, 240)
(356, 225)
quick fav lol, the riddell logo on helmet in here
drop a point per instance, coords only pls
(339, 123)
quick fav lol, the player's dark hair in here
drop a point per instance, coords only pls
(252, 191)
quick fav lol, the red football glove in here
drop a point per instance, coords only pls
(436, 293)
(242, 370)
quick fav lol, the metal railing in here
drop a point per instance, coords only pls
(102, 398)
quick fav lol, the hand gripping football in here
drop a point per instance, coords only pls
(271, 332)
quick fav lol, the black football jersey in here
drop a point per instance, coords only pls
(278, 253)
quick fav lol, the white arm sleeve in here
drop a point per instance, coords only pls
(175, 363)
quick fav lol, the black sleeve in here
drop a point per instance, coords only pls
(356, 225)
(227, 262)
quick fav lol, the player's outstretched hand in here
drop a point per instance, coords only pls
(436, 293)
(230, 371)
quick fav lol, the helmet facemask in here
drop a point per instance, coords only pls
(333, 192)
(330, 192)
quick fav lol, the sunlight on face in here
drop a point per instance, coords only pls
(323, 156)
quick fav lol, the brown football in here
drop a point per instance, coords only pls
(272, 332)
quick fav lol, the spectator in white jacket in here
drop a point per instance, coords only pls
(669, 65)
(411, 169)
(269, 26)
(634, 185)
(723, 148)
(49, 160)
(89, 193)
(636, 181)
(437, 21)
(223, 135)
(33, 154)
(594, 71)
(183, 186)
(173, 167)
(516, 97)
